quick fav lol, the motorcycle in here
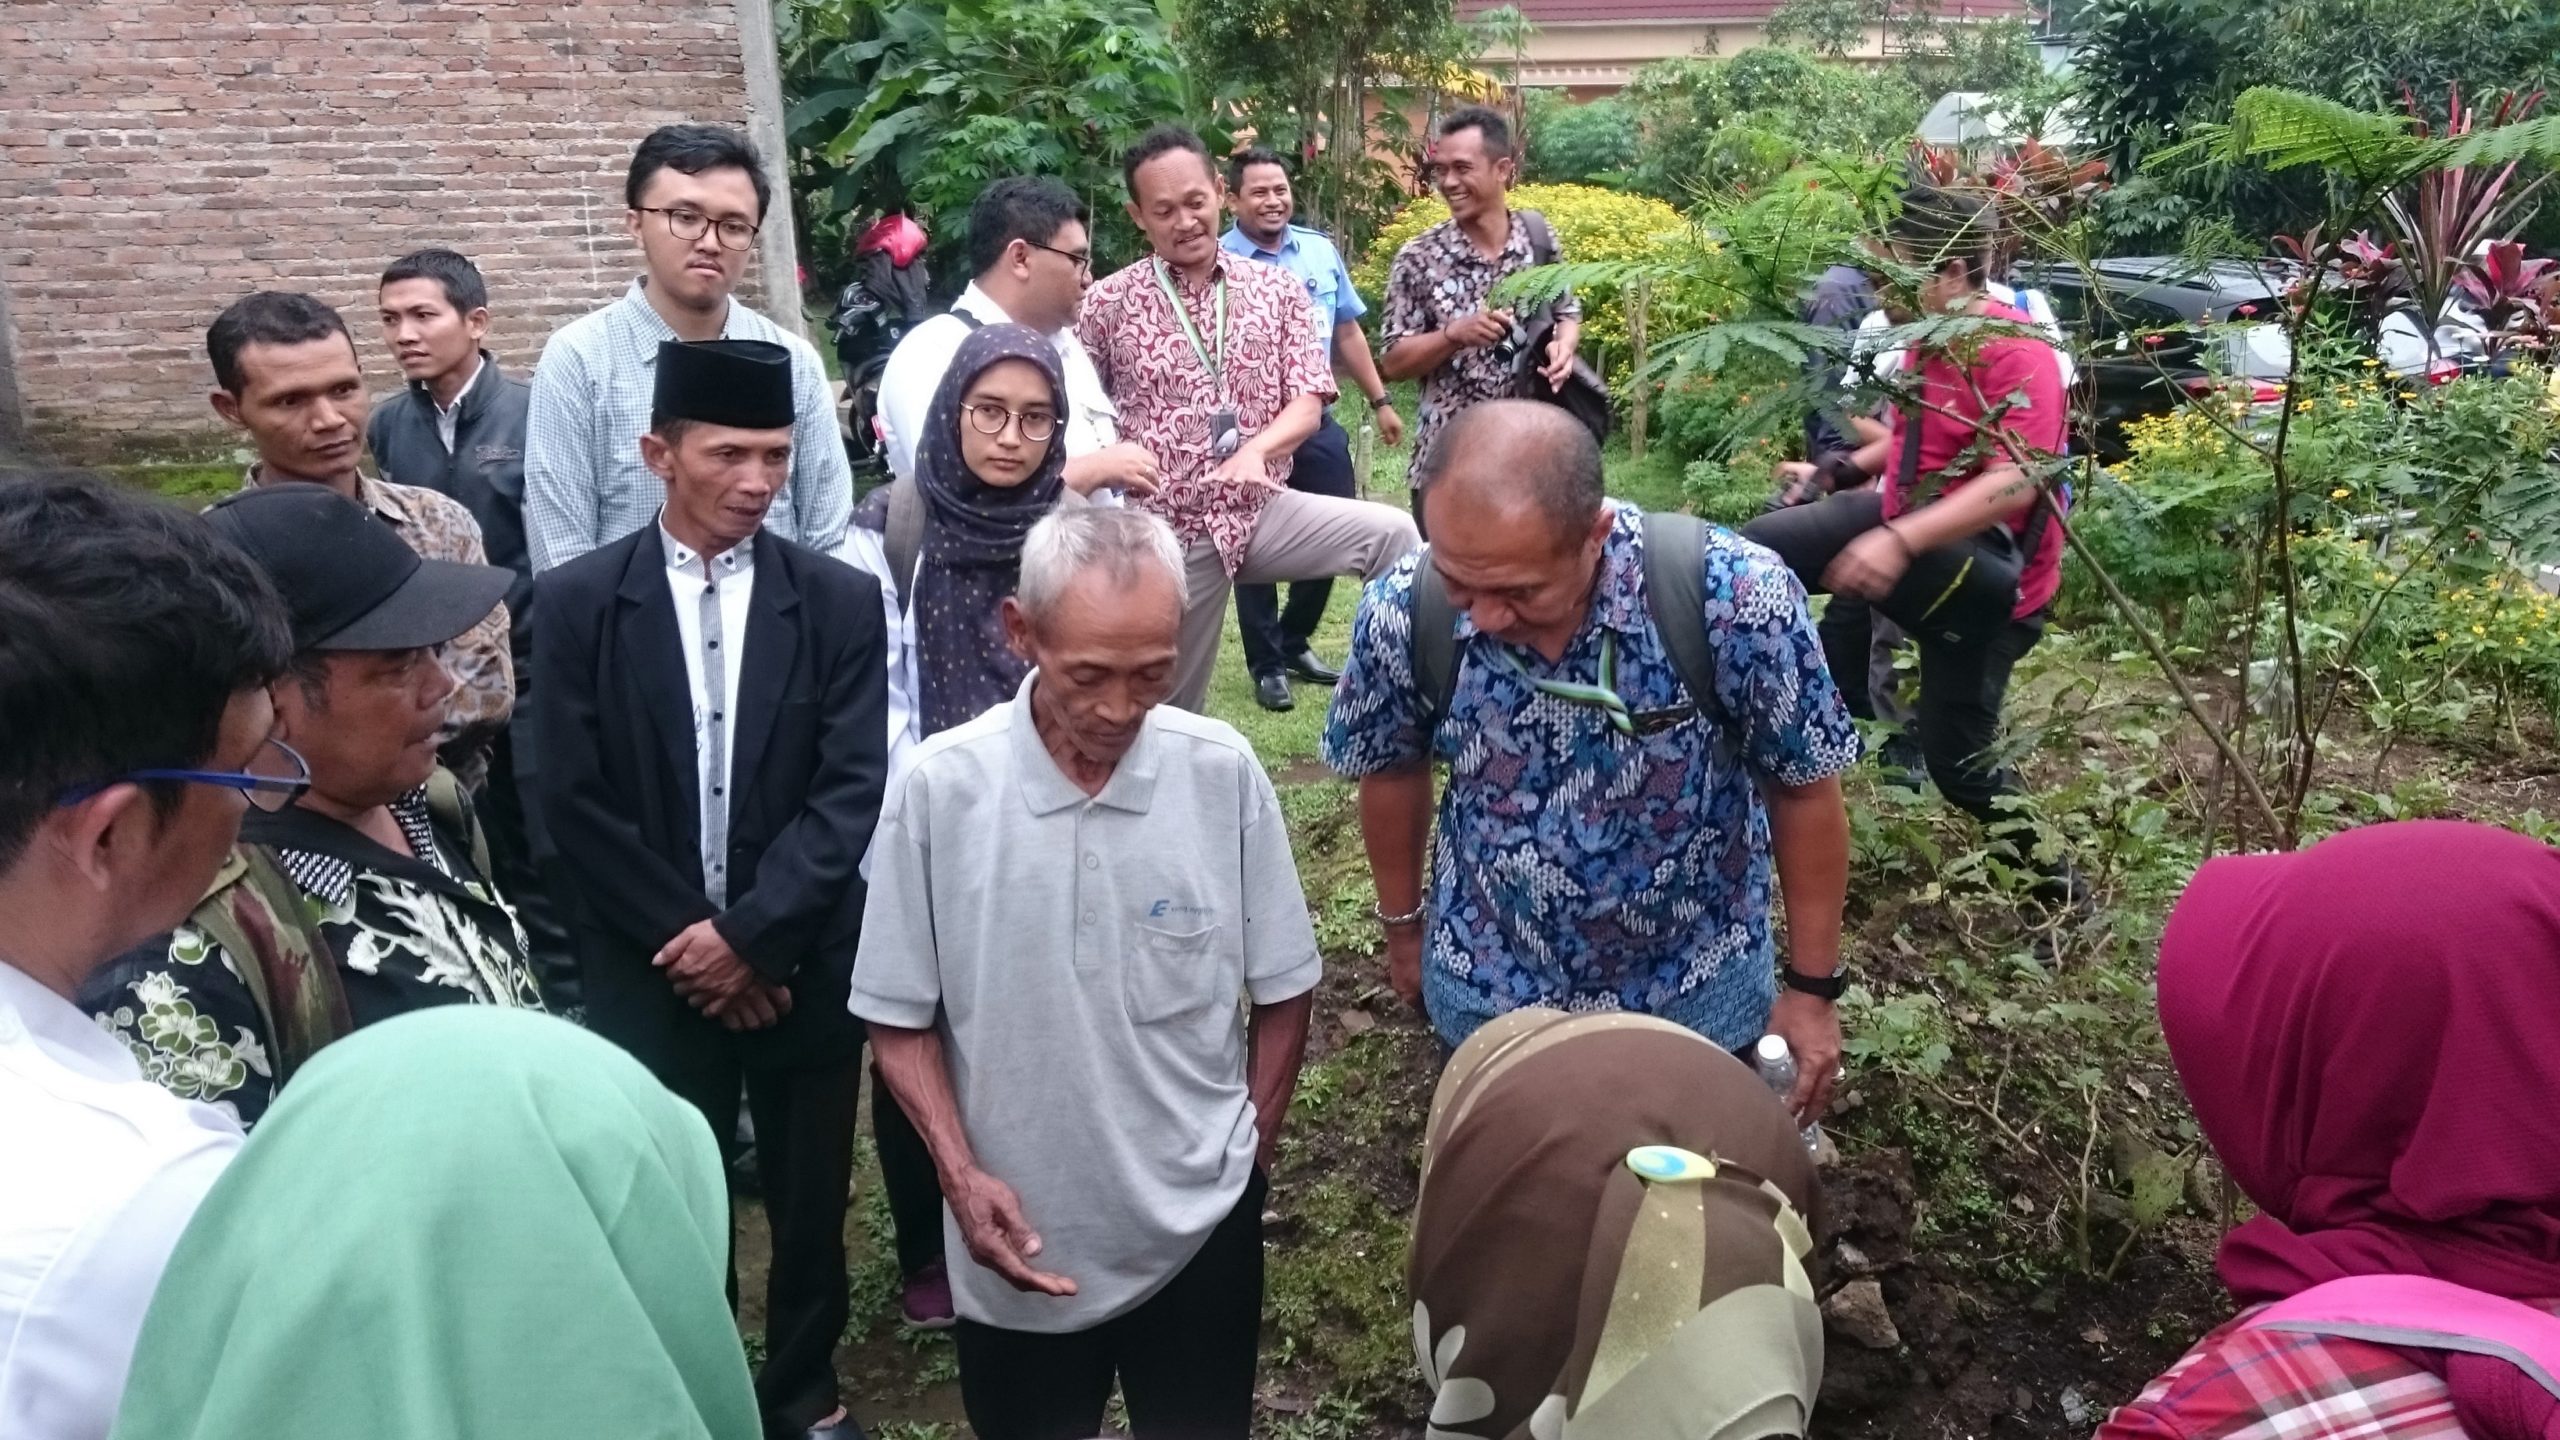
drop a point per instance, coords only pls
(875, 310)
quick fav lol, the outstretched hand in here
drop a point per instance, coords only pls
(998, 1237)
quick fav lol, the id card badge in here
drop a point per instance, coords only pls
(1225, 438)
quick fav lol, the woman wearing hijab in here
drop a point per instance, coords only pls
(2363, 1029)
(946, 553)
(541, 1251)
(1611, 1240)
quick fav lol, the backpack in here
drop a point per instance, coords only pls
(1585, 395)
(1675, 586)
(902, 535)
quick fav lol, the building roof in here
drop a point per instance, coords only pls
(1703, 12)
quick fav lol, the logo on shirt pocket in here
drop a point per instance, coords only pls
(1172, 973)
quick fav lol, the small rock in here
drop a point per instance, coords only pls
(2075, 1409)
(2046, 1302)
(2021, 1400)
(1358, 1022)
(1857, 1311)
(2095, 1335)
(1285, 1404)
(1854, 1261)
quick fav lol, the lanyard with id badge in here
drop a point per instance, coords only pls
(1225, 435)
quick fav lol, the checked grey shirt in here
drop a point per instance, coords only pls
(585, 485)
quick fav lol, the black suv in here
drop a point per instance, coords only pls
(2133, 325)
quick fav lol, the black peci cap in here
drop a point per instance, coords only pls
(350, 581)
(744, 384)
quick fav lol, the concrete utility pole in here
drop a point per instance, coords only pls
(777, 243)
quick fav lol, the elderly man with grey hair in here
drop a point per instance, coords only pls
(1070, 896)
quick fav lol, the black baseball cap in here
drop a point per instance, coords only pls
(351, 582)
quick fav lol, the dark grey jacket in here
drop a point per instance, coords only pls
(485, 470)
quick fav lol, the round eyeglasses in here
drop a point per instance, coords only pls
(689, 225)
(1037, 425)
(276, 776)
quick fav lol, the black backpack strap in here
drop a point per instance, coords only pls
(1675, 590)
(1542, 237)
(903, 537)
(965, 318)
(1435, 646)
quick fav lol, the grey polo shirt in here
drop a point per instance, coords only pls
(1083, 957)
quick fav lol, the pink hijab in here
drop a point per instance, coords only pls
(2369, 1031)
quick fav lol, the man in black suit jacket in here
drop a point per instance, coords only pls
(713, 844)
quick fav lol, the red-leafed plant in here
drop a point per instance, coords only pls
(2441, 220)
(2511, 293)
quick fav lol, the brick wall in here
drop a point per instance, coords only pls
(159, 160)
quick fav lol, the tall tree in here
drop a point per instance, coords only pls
(917, 104)
(1328, 81)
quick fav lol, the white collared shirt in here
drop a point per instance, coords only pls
(916, 367)
(731, 577)
(449, 417)
(105, 1169)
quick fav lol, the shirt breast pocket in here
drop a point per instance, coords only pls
(1172, 973)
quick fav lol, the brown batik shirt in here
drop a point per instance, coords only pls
(1439, 277)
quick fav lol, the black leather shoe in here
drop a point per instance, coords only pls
(1307, 666)
(1271, 692)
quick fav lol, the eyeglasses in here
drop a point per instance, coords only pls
(1082, 259)
(1037, 425)
(689, 225)
(277, 776)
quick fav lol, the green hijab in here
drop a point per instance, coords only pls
(463, 1222)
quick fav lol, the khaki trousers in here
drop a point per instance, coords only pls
(1299, 537)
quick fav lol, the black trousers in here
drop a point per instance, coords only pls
(907, 1176)
(1184, 1359)
(1273, 634)
(805, 1118)
(1962, 687)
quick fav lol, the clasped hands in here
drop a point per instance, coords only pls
(713, 979)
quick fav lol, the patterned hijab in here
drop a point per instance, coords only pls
(1611, 1240)
(973, 534)
(464, 1221)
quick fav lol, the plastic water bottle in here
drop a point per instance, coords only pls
(1777, 1066)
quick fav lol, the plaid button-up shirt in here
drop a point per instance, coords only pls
(2242, 1384)
(584, 483)
(484, 673)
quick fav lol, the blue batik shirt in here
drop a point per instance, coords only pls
(1586, 870)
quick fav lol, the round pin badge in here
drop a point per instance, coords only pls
(1669, 1164)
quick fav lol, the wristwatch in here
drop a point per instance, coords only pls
(1821, 987)
(1381, 400)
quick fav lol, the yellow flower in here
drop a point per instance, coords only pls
(2479, 629)
(2382, 577)
(2442, 637)
(2341, 493)
(2370, 362)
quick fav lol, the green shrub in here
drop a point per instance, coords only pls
(1573, 143)
(1708, 124)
